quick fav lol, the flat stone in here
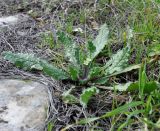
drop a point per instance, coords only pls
(23, 105)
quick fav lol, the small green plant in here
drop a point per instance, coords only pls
(67, 97)
(80, 61)
(81, 65)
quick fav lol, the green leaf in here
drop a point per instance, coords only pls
(87, 94)
(87, 61)
(123, 87)
(118, 62)
(149, 87)
(154, 49)
(98, 44)
(73, 72)
(142, 79)
(30, 62)
(101, 40)
(68, 98)
(37, 67)
(25, 61)
(127, 69)
(119, 87)
(101, 81)
(129, 33)
(64, 39)
(91, 48)
(80, 56)
(148, 107)
(69, 46)
(133, 86)
(94, 72)
(53, 71)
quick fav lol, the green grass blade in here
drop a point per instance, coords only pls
(122, 109)
(142, 79)
(116, 111)
(87, 120)
(136, 112)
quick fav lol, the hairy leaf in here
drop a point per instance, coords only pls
(30, 62)
(101, 81)
(87, 94)
(118, 62)
(25, 61)
(73, 72)
(98, 44)
(94, 72)
(127, 69)
(67, 97)
(69, 46)
(91, 48)
(53, 71)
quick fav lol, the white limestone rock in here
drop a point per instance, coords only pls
(22, 105)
